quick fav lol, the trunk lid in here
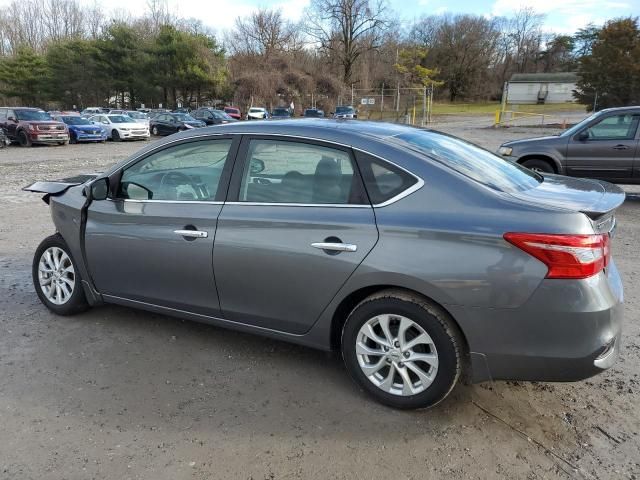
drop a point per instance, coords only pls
(595, 198)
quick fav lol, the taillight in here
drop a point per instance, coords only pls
(566, 256)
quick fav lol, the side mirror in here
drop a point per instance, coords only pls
(583, 135)
(256, 166)
(99, 189)
(12, 118)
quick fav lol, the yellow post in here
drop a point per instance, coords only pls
(413, 117)
(497, 117)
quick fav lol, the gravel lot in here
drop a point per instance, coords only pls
(117, 393)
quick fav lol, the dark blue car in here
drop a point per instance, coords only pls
(82, 130)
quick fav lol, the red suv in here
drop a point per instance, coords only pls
(32, 125)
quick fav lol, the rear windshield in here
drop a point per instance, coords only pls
(344, 110)
(137, 115)
(183, 117)
(32, 115)
(470, 160)
(280, 111)
(231, 110)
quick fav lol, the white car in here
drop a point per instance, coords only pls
(257, 113)
(121, 127)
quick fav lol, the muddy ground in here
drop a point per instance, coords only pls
(116, 393)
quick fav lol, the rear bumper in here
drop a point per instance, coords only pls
(565, 332)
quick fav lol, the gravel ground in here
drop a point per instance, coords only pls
(117, 393)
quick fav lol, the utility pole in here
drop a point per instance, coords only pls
(352, 94)
(381, 100)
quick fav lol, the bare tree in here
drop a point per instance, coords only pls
(263, 32)
(347, 29)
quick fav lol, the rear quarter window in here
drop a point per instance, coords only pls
(383, 180)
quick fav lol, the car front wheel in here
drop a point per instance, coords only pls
(154, 130)
(23, 139)
(402, 350)
(56, 278)
(115, 136)
(539, 165)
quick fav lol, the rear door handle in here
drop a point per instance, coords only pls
(335, 247)
(620, 147)
(191, 233)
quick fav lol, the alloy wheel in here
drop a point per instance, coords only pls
(56, 275)
(396, 354)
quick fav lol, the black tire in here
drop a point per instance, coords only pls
(72, 139)
(433, 320)
(23, 139)
(539, 165)
(154, 131)
(76, 302)
(115, 136)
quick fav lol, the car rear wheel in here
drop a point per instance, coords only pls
(115, 136)
(539, 165)
(56, 278)
(23, 139)
(402, 350)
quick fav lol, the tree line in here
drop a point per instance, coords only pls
(55, 53)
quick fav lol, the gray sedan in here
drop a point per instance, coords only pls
(604, 146)
(413, 253)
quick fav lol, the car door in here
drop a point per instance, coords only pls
(152, 241)
(296, 224)
(605, 149)
(12, 124)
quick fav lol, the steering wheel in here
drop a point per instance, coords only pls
(176, 179)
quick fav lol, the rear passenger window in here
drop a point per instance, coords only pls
(383, 180)
(295, 172)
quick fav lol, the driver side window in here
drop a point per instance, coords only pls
(187, 172)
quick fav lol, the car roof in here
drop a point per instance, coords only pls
(633, 109)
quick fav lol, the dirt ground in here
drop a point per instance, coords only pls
(116, 393)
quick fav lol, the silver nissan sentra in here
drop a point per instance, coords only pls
(414, 253)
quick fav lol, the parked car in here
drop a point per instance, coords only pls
(412, 252)
(603, 146)
(280, 113)
(313, 113)
(233, 112)
(168, 123)
(139, 117)
(87, 112)
(211, 116)
(82, 129)
(29, 126)
(345, 111)
(121, 127)
(4, 140)
(257, 113)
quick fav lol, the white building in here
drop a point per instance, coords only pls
(539, 88)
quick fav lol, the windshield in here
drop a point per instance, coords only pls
(232, 110)
(137, 115)
(579, 126)
(312, 113)
(281, 112)
(470, 160)
(33, 115)
(121, 119)
(183, 117)
(73, 120)
(344, 109)
(256, 110)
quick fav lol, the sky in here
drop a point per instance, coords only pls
(562, 16)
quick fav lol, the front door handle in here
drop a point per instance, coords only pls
(335, 247)
(621, 147)
(191, 233)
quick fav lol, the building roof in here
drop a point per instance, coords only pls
(565, 77)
